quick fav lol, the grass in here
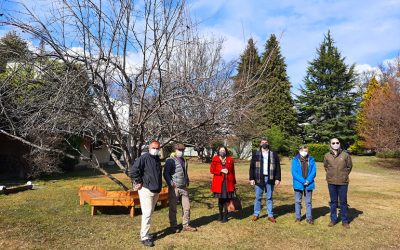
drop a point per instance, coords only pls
(50, 217)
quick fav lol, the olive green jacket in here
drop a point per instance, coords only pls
(337, 168)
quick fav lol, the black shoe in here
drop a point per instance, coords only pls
(311, 222)
(148, 243)
(297, 221)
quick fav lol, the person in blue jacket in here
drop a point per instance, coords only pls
(304, 170)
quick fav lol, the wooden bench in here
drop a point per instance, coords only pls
(96, 197)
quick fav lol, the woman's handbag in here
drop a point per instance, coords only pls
(234, 204)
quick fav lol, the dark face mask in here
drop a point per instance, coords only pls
(222, 154)
(265, 146)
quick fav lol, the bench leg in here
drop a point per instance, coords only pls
(81, 202)
(132, 211)
(94, 210)
(164, 203)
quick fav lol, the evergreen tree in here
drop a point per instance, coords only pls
(275, 105)
(12, 49)
(327, 102)
(244, 83)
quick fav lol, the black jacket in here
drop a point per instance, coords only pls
(147, 170)
(257, 165)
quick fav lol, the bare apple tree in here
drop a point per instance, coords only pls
(120, 72)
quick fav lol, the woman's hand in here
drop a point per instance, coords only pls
(224, 170)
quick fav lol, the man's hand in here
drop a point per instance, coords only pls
(306, 183)
(252, 182)
(137, 186)
(224, 170)
(277, 183)
(173, 184)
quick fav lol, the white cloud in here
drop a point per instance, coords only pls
(366, 32)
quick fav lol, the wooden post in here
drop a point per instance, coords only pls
(94, 210)
(132, 211)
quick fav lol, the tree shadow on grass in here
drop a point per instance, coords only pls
(120, 210)
(318, 212)
(353, 213)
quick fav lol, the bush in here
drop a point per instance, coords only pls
(318, 150)
(293, 144)
(280, 142)
(357, 149)
(388, 154)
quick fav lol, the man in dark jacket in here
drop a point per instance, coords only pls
(146, 176)
(265, 173)
(338, 166)
(177, 178)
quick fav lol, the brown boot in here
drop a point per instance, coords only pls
(255, 217)
(272, 219)
(346, 225)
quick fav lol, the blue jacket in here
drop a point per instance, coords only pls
(298, 179)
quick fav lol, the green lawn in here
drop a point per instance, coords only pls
(50, 217)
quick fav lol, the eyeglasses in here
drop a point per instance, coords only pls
(181, 150)
(333, 143)
(156, 148)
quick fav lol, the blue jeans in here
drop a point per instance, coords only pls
(338, 192)
(298, 195)
(269, 189)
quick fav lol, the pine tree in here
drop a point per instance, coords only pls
(275, 105)
(12, 49)
(327, 102)
(244, 83)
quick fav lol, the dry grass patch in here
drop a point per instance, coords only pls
(50, 217)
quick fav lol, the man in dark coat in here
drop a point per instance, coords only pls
(265, 174)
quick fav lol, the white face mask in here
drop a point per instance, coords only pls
(303, 153)
(154, 151)
(335, 146)
(178, 153)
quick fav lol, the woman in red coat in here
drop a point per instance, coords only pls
(223, 182)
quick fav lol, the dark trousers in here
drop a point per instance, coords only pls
(338, 193)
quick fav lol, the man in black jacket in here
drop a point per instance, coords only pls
(265, 173)
(146, 174)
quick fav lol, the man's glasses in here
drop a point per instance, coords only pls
(156, 148)
(333, 143)
(181, 150)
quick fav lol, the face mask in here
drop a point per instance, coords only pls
(222, 153)
(335, 146)
(154, 151)
(265, 146)
(303, 153)
(179, 153)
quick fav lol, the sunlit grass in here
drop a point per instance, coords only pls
(50, 217)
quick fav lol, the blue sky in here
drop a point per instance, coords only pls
(366, 32)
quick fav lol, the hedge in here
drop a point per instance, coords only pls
(318, 151)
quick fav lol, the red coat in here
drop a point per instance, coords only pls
(215, 169)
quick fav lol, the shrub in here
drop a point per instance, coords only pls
(388, 154)
(318, 150)
(293, 145)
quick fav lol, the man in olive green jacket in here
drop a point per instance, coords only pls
(338, 166)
